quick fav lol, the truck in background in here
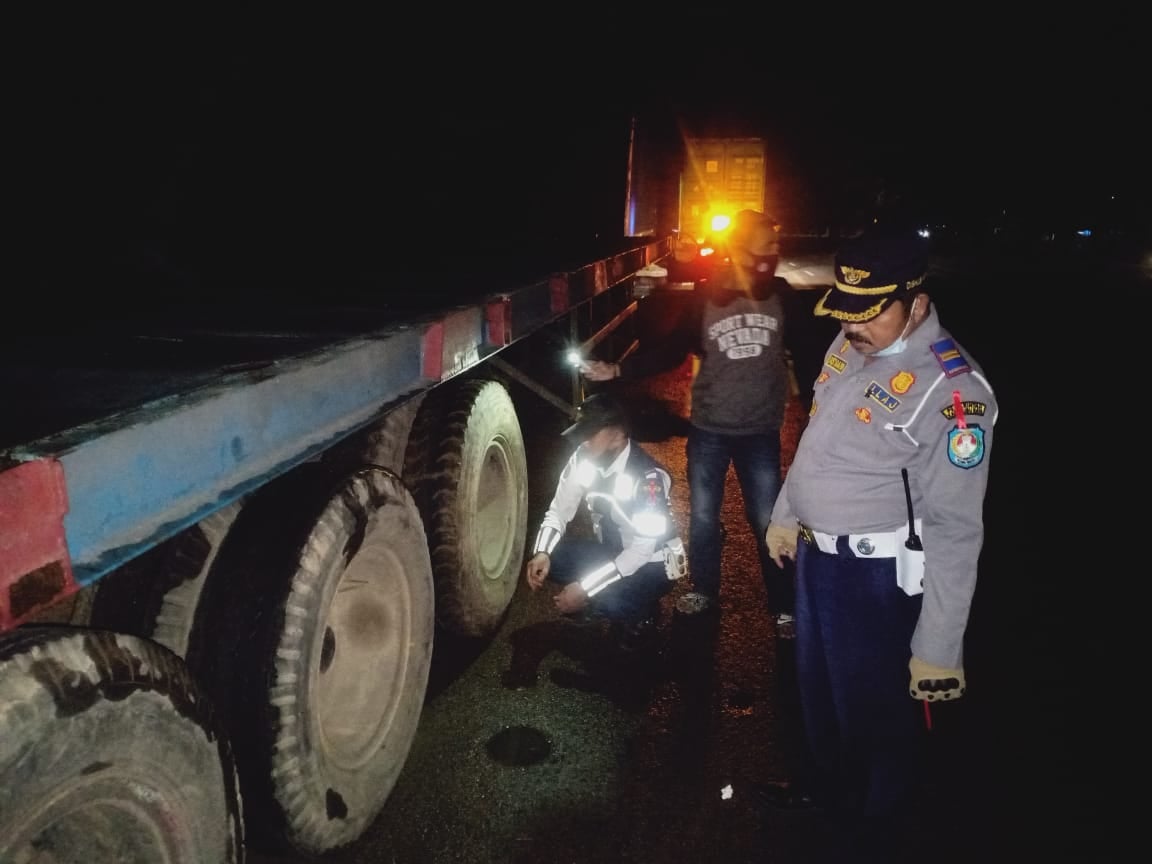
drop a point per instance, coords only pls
(721, 177)
(235, 510)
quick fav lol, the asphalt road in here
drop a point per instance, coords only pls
(547, 743)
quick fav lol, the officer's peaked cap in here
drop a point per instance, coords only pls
(873, 270)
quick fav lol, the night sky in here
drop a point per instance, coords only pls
(962, 127)
(189, 147)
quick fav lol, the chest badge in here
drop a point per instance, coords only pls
(901, 381)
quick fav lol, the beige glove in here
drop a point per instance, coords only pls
(934, 683)
(781, 542)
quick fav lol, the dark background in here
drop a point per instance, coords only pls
(183, 156)
(265, 157)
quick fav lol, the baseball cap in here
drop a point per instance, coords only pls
(596, 412)
(874, 270)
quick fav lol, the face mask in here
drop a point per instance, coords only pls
(901, 343)
(764, 264)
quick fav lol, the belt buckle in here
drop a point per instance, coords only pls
(806, 535)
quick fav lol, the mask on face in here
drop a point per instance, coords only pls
(898, 346)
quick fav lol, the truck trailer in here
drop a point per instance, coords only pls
(232, 521)
(229, 591)
(721, 176)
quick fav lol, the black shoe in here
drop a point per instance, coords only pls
(783, 796)
(637, 636)
(785, 626)
(644, 627)
(695, 603)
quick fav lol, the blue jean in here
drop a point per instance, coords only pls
(865, 733)
(756, 459)
(629, 600)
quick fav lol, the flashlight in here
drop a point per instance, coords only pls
(576, 360)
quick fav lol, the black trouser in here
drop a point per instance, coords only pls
(854, 628)
(628, 600)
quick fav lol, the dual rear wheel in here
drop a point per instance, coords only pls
(109, 751)
(309, 609)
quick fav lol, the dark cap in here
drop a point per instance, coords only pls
(872, 271)
(596, 412)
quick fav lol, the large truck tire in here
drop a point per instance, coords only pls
(109, 752)
(317, 634)
(383, 443)
(468, 472)
(157, 595)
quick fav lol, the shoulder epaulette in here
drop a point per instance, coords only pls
(950, 358)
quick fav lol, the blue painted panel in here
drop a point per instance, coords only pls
(140, 476)
(172, 462)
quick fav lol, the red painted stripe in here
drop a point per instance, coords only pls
(433, 347)
(559, 286)
(498, 321)
(35, 568)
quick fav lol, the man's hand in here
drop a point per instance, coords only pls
(934, 683)
(781, 542)
(571, 599)
(599, 370)
(536, 570)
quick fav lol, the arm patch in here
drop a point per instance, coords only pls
(966, 446)
(950, 358)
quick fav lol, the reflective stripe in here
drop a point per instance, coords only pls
(623, 488)
(650, 524)
(600, 578)
(546, 539)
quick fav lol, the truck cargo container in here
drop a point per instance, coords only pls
(721, 177)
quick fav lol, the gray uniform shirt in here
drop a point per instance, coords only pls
(873, 416)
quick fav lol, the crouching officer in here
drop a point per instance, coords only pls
(635, 553)
(882, 510)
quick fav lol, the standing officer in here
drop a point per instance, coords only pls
(630, 563)
(882, 510)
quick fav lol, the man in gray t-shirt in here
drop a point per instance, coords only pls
(737, 331)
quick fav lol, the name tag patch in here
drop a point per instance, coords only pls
(975, 409)
(878, 393)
